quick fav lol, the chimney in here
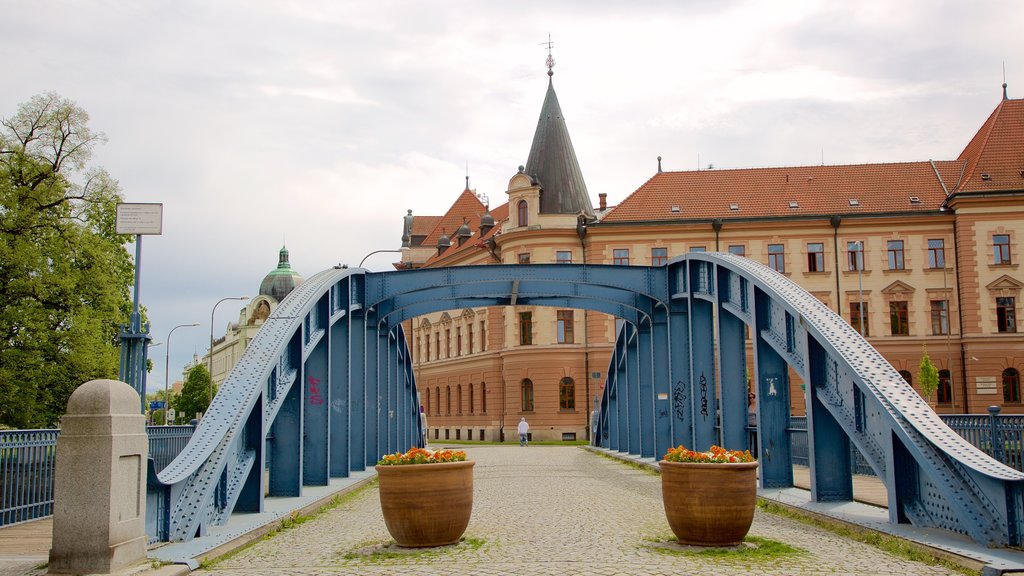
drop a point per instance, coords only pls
(602, 199)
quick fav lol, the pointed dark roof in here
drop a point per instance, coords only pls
(552, 162)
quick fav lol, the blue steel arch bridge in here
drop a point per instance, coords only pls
(327, 386)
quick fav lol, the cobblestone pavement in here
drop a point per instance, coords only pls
(549, 510)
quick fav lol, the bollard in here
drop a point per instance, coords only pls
(99, 507)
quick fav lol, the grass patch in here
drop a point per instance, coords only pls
(891, 544)
(378, 551)
(629, 463)
(291, 521)
(755, 549)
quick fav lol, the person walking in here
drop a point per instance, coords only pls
(524, 428)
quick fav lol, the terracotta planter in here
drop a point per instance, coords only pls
(416, 519)
(709, 504)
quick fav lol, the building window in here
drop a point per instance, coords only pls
(523, 213)
(899, 319)
(427, 407)
(855, 256)
(469, 332)
(777, 258)
(907, 377)
(448, 399)
(471, 399)
(437, 345)
(447, 343)
(940, 317)
(483, 401)
(895, 249)
(483, 336)
(524, 258)
(564, 326)
(428, 347)
(525, 328)
(815, 257)
(1001, 248)
(620, 256)
(945, 389)
(437, 403)
(458, 399)
(458, 341)
(738, 249)
(566, 394)
(1011, 386)
(1006, 314)
(563, 257)
(698, 249)
(855, 316)
(526, 389)
(659, 256)
(936, 253)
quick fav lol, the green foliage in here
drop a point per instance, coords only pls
(66, 274)
(927, 375)
(195, 394)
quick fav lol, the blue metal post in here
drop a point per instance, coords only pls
(357, 391)
(631, 378)
(316, 427)
(662, 382)
(679, 341)
(732, 364)
(339, 390)
(828, 446)
(135, 338)
(998, 446)
(705, 418)
(372, 376)
(645, 383)
(776, 461)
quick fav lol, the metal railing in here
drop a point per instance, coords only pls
(26, 474)
(978, 429)
(27, 463)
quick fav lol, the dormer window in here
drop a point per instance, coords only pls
(523, 213)
(854, 202)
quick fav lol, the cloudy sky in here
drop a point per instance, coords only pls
(319, 123)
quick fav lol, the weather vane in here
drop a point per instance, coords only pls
(550, 62)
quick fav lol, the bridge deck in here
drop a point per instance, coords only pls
(538, 510)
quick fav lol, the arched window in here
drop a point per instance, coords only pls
(471, 398)
(945, 389)
(428, 400)
(483, 397)
(527, 394)
(1011, 386)
(567, 394)
(448, 399)
(458, 398)
(523, 213)
(906, 376)
(437, 404)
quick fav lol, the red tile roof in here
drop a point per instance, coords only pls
(993, 160)
(770, 192)
(500, 214)
(467, 207)
(995, 156)
(423, 225)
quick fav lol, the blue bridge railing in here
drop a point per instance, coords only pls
(27, 459)
(978, 429)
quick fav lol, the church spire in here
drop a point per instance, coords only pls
(552, 161)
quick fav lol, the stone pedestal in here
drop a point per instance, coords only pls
(99, 510)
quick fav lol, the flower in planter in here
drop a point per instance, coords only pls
(422, 456)
(714, 455)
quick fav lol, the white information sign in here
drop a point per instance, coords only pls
(986, 384)
(140, 219)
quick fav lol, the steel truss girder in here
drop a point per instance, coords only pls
(339, 337)
(934, 477)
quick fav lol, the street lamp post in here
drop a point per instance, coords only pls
(375, 252)
(167, 370)
(859, 261)
(211, 341)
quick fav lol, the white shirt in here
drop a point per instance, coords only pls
(523, 427)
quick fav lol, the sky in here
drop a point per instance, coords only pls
(318, 124)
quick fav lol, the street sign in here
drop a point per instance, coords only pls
(156, 405)
(139, 219)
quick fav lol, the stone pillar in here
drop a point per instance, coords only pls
(99, 511)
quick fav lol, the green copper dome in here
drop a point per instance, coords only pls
(281, 280)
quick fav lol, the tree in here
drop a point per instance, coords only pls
(195, 394)
(927, 375)
(66, 274)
